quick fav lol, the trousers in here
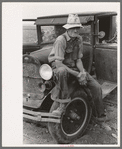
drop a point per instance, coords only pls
(61, 77)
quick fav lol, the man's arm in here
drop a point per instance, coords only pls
(82, 75)
(79, 65)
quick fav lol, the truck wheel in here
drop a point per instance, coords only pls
(74, 120)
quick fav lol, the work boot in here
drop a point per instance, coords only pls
(102, 118)
(59, 110)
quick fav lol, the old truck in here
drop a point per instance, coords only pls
(99, 59)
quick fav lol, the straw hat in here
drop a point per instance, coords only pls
(72, 21)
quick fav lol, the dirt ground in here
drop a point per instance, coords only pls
(96, 133)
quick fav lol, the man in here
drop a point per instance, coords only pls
(65, 59)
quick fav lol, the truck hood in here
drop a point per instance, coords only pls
(42, 54)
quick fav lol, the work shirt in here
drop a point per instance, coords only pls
(67, 50)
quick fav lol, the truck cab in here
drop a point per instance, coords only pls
(99, 40)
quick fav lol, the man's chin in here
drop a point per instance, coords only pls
(75, 35)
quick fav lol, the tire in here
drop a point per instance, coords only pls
(74, 119)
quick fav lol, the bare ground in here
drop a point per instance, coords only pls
(96, 133)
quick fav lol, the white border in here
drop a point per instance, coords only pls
(12, 14)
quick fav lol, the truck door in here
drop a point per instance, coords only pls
(105, 52)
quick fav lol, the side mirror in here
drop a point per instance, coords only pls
(101, 34)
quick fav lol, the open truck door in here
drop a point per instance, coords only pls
(105, 51)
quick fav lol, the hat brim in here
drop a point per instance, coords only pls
(68, 26)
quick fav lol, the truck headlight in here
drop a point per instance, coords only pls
(46, 72)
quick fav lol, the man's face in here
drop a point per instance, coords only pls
(74, 32)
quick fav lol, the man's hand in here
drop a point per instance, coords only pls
(79, 36)
(82, 78)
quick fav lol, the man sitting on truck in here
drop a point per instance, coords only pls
(65, 59)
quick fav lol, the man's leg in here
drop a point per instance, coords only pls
(96, 92)
(61, 89)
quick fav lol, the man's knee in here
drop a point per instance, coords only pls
(98, 89)
(62, 71)
(95, 87)
(93, 83)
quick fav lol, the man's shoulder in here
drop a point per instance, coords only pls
(61, 38)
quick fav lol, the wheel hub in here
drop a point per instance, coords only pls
(73, 115)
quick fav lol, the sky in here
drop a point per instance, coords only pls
(34, 10)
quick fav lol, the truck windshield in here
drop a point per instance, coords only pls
(29, 32)
(48, 34)
(86, 33)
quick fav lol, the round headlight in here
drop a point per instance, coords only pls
(46, 72)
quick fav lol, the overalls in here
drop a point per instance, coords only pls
(61, 77)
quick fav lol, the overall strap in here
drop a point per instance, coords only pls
(65, 38)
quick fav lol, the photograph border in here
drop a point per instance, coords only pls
(41, 146)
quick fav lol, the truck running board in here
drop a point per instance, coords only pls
(107, 87)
